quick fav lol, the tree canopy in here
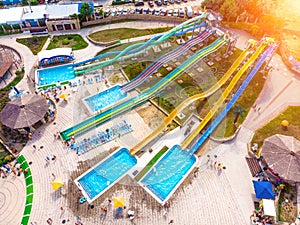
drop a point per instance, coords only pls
(86, 10)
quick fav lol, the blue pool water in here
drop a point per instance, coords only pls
(107, 172)
(55, 74)
(105, 98)
(168, 172)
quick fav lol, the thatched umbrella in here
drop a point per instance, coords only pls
(282, 153)
(24, 111)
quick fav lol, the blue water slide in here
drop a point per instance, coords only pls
(229, 105)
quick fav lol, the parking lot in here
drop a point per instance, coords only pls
(171, 8)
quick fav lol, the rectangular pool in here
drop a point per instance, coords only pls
(54, 74)
(104, 98)
(168, 173)
(98, 179)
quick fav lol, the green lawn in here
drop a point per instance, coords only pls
(291, 114)
(74, 41)
(35, 44)
(245, 102)
(124, 33)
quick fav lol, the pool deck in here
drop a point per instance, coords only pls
(210, 198)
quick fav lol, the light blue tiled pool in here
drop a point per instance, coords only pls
(104, 98)
(165, 176)
(103, 175)
(54, 74)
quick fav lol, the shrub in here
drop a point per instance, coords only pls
(66, 41)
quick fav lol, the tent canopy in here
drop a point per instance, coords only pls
(269, 207)
(24, 111)
(263, 189)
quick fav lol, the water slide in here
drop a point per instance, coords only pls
(190, 100)
(225, 94)
(178, 33)
(98, 65)
(138, 100)
(268, 53)
(164, 59)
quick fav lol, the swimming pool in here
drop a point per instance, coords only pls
(104, 98)
(98, 179)
(168, 173)
(54, 74)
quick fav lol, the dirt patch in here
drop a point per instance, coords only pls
(151, 115)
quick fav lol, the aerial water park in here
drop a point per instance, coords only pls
(179, 159)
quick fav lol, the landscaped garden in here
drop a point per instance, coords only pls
(74, 41)
(35, 44)
(291, 114)
(124, 33)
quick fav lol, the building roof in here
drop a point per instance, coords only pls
(47, 54)
(50, 11)
(11, 15)
(6, 60)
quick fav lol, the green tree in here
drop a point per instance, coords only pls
(229, 9)
(86, 10)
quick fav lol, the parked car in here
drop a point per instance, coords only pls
(145, 11)
(139, 11)
(113, 12)
(150, 4)
(170, 12)
(165, 2)
(178, 1)
(120, 12)
(196, 13)
(125, 11)
(184, 0)
(163, 12)
(107, 12)
(175, 13)
(157, 12)
(139, 4)
(181, 12)
(132, 11)
(151, 11)
(158, 2)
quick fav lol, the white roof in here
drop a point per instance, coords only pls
(61, 11)
(11, 15)
(52, 11)
(269, 207)
(36, 12)
(46, 54)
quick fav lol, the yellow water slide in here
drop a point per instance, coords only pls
(190, 100)
(225, 94)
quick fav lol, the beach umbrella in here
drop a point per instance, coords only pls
(57, 183)
(263, 189)
(24, 111)
(64, 96)
(119, 202)
(282, 154)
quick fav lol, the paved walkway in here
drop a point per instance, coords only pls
(210, 199)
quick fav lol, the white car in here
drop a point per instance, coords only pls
(175, 14)
(113, 12)
(181, 12)
(124, 11)
(132, 11)
(157, 12)
(170, 12)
